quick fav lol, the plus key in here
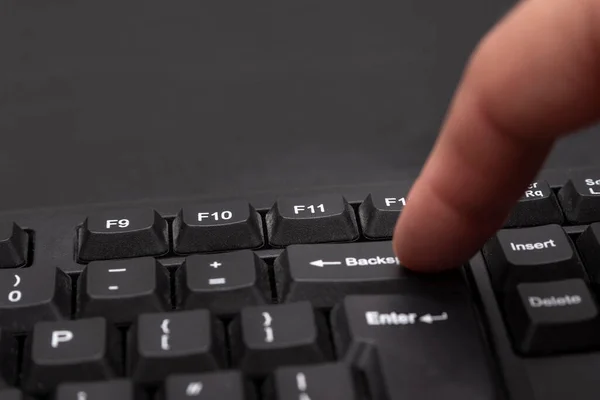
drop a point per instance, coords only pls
(223, 283)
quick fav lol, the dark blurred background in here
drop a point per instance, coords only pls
(128, 99)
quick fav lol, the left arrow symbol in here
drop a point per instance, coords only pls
(321, 263)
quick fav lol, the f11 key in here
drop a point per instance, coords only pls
(324, 218)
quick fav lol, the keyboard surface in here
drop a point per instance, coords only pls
(297, 296)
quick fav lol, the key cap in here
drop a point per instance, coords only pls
(177, 342)
(580, 198)
(120, 290)
(553, 317)
(11, 394)
(263, 338)
(118, 389)
(8, 359)
(588, 245)
(537, 206)
(380, 211)
(123, 234)
(30, 295)
(325, 273)
(319, 382)
(76, 351)
(542, 253)
(324, 218)
(223, 385)
(14, 245)
(222, 283)
(216, 227)
(425, 345)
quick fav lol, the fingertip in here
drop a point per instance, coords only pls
(419, 256)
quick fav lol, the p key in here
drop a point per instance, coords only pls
(123, 234)
(323, 218)
(81, 350)
(215, 227)
(30, 295)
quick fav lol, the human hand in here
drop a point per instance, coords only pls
(533, 78)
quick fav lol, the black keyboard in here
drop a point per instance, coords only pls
(298, 297)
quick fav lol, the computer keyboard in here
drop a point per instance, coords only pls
(298, 296)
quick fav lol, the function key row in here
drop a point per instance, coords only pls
(236, 225)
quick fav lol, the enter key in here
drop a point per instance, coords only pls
(415, 346)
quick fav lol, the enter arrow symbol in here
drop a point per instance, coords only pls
(321, 263)
(430, 319)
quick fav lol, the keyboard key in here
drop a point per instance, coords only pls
(73, 351)
(417, 346)
(216, 227)
(264, 338)
(537, 206)
(541, 253)
(325, 273)
(225, 385)
(14, 245)
(588, 245)
(318, 382)
(177, 342)
(8, 359)
(380, 211)
(223, 283)
(30, 295)
(11, 394)
(120, 290)
(323, 218)
(114, 389)
(580, 198)
(552, 317)
(123, 234)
